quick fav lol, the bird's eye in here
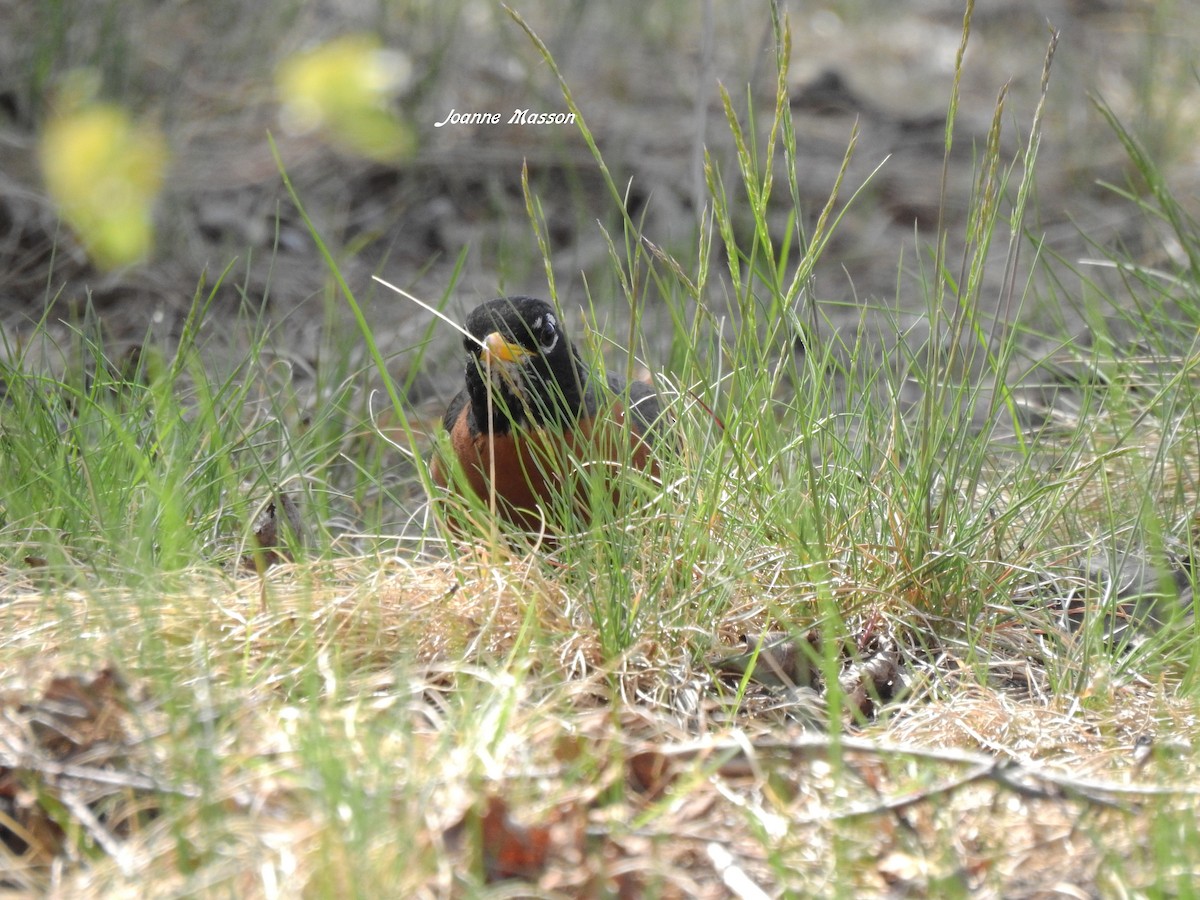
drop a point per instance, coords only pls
(545, 329)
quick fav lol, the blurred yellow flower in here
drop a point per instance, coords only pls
(346, 87)
(104, 172)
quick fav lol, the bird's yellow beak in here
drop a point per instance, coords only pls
(497, 349)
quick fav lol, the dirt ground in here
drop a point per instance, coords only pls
(646, 78)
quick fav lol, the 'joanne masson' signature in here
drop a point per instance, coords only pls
(518, 117)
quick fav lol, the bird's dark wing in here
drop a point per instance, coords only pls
(643, 402)
(454, 410)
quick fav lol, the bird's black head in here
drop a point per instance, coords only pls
(516, 346)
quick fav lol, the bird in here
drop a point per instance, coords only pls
(532, 416)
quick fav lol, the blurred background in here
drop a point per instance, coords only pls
(352, 91)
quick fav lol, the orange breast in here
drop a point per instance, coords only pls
(532, 470)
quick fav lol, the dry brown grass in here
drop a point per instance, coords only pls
(439, 687)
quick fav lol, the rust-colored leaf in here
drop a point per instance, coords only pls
(650, 773)
(508, 848)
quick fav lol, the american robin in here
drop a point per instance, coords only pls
(533, 417)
